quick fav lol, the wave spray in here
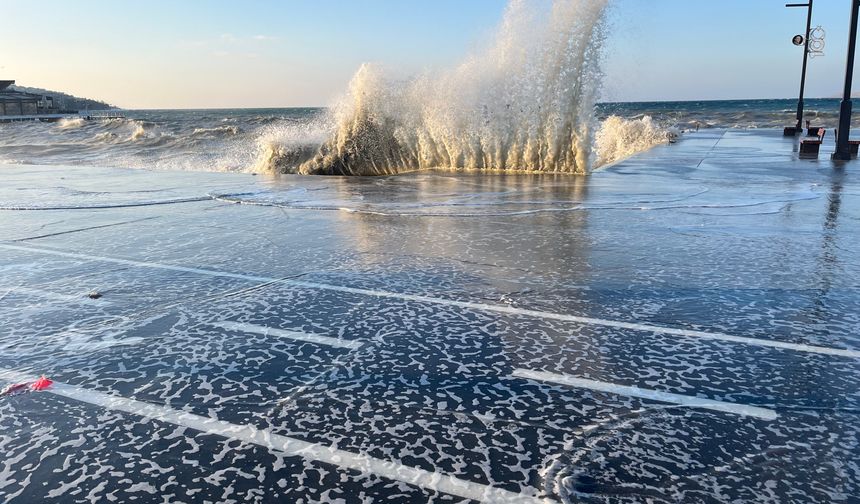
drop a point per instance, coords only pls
(524, 103)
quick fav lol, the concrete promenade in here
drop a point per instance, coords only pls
(683, 326)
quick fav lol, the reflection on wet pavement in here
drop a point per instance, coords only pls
(682, 326)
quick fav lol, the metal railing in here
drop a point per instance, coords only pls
(102, 114)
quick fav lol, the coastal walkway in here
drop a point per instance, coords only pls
(681, 326)
(95, 115)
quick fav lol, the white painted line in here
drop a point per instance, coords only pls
(281, 333)
(510, 310)
(654, 395)
(669, 331)
(141, 264)
(434, 481)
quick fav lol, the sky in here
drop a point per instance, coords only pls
(292, 53)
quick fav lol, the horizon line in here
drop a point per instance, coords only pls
(299, 107)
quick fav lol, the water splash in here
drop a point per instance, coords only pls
(72, 122)
(283, 146)
(138, 133)
(525, 103)
(620, 138)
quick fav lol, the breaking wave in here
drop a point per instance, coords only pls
(525, 103)
(620, 138)
(75, 122)
(138, 133)
(284, 146)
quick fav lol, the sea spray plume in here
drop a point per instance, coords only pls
(526, 103)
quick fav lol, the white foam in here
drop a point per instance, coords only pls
(429, 480)
(654, 395)
(293, 335)
(635, 326)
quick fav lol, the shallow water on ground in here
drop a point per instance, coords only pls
(436, 337)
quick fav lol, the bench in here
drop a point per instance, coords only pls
(811, 146)
(852, 145)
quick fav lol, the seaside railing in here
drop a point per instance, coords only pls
(102, 114)
(90, 115)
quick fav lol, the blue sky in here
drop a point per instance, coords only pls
(256, 53)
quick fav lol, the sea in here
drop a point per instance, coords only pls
(280, 139)
(526, 100)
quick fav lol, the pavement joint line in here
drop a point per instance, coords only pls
(649, 394)
(105, 206)
(282, 333)
(90, 228)
(510, 310)
(366, 464)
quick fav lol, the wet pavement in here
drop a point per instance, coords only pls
(681, 326)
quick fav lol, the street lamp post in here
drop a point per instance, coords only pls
(799, 127)
(843, 151)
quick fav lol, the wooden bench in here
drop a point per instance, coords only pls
(852, 145)
(810, 146)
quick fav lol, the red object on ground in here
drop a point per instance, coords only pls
(13, 389)
(41, 384)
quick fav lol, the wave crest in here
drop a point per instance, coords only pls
(138, 133)
(620, 138)
(284, 146)
(71, 123)
(217, 131)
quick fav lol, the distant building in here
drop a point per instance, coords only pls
(18, 103)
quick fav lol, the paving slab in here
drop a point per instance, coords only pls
(681, 326)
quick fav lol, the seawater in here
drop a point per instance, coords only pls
(279, 140)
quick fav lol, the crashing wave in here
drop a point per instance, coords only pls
(71, 122)
(282, 147)
(620, 138)
(138, 133)
(526, 103)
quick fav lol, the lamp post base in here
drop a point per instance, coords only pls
(843, 150)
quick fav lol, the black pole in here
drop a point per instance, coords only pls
(842, 149)
(799, 126)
